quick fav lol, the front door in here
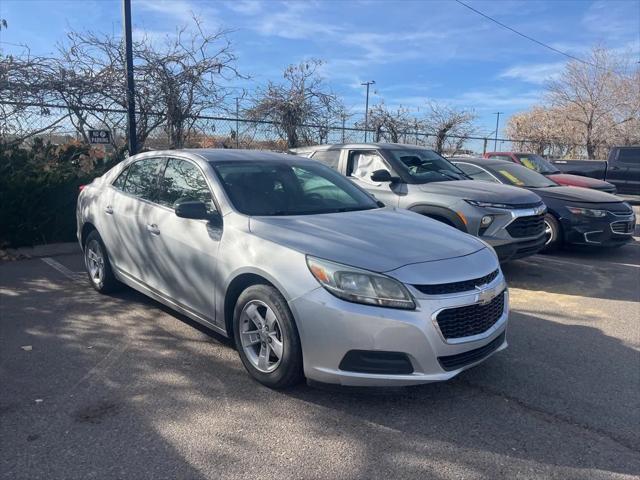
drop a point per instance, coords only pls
(361, 164)
(186, 249)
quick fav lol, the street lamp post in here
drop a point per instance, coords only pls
(366, 108)
(495, 141)
(131, 98)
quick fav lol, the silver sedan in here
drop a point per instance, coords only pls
(308, 273)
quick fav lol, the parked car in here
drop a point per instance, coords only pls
(548, 169)
(304, 270)
(622, 169)
(575, 215)
(407, 176)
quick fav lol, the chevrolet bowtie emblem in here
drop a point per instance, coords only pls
(485, 296)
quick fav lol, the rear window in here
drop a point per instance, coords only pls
(331, 158)
(629, 155)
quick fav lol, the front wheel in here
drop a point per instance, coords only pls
(553, 234)
(266, 337)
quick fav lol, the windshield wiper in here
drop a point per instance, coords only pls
(449, 175)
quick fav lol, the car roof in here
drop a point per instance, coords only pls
(382, 146)
(215, 155)
(481, 161)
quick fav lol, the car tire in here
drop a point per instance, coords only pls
(266, 337)
(98, 265)
(553, 231)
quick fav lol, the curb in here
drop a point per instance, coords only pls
(48, 250)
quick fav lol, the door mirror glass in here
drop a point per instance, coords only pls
(194, 209)
(382, 176)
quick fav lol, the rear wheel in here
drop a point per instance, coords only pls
(98, 265)
(553, 234)
(266, 337)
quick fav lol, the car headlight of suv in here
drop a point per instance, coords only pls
(360, 286)
(477, 203)
(587, 212)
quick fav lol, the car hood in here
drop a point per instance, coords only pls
(577, 180)
(577, 194)
(378, 240)
(482, 191)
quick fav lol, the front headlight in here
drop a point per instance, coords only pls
(587, 212)
(477, 203)
(360, 286)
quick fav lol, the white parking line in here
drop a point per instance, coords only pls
(74, 276)
(573, 262)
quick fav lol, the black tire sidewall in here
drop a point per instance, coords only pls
(556, 233)
(289, 372)
(109, 282)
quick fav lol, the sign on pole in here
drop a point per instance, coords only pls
(99, 136)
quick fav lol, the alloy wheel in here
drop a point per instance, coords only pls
(548, 232)
(261, 336)
(94, 259)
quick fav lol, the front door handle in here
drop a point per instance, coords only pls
(109, 210)
(153, 229)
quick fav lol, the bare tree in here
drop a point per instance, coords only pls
(596, 95)
(299, 107)
(450, 125)
(388, 125)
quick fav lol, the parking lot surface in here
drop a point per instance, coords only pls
(118, 386)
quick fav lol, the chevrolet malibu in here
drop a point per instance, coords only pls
(306, 272)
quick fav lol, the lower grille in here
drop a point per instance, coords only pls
(622, 227)
(526, 226)
(453, 362)
(470, 320)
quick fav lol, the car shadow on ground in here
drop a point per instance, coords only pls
(131, 389)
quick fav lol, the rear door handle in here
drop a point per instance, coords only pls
(109, 210)
(153, 229)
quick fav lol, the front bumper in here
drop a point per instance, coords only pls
(330, 328)
(512, 251)
(610, 231)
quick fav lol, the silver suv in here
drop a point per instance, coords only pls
(418, 179)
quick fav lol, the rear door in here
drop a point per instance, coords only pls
(129, 209)
(186, 250)
(361, 164)
(624, 170)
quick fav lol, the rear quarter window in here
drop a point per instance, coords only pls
(331, 158)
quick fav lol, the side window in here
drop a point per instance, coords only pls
(363, 163)
(629, 155)
(331, 158)
(183, 180)
(476, 173)
(119, 181)
(142, 178)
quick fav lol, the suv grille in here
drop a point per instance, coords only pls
(470, 320)
(456, 287)
(526, 226)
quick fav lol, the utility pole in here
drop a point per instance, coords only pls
(495, 142)
(366, 108)
(131, 98)
(237, 122)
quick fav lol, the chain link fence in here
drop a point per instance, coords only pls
(58, 125)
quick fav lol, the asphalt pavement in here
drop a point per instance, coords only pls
(119, 386)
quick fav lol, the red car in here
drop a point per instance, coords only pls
(546, 168)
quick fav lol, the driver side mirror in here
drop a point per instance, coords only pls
(195, 210)
(383, 176)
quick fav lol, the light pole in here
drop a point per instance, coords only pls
(366, 108)
(131, 98)
(495, 142)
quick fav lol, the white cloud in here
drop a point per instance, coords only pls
(293, 20)
(182, 10)
(245, 7)
(537, 73)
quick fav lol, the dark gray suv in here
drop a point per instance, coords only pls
(407, 176)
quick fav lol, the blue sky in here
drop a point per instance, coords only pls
(414, 50)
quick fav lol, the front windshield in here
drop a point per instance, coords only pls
(537, 163)
(283, 188)
(522, 177)
(425, 166)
